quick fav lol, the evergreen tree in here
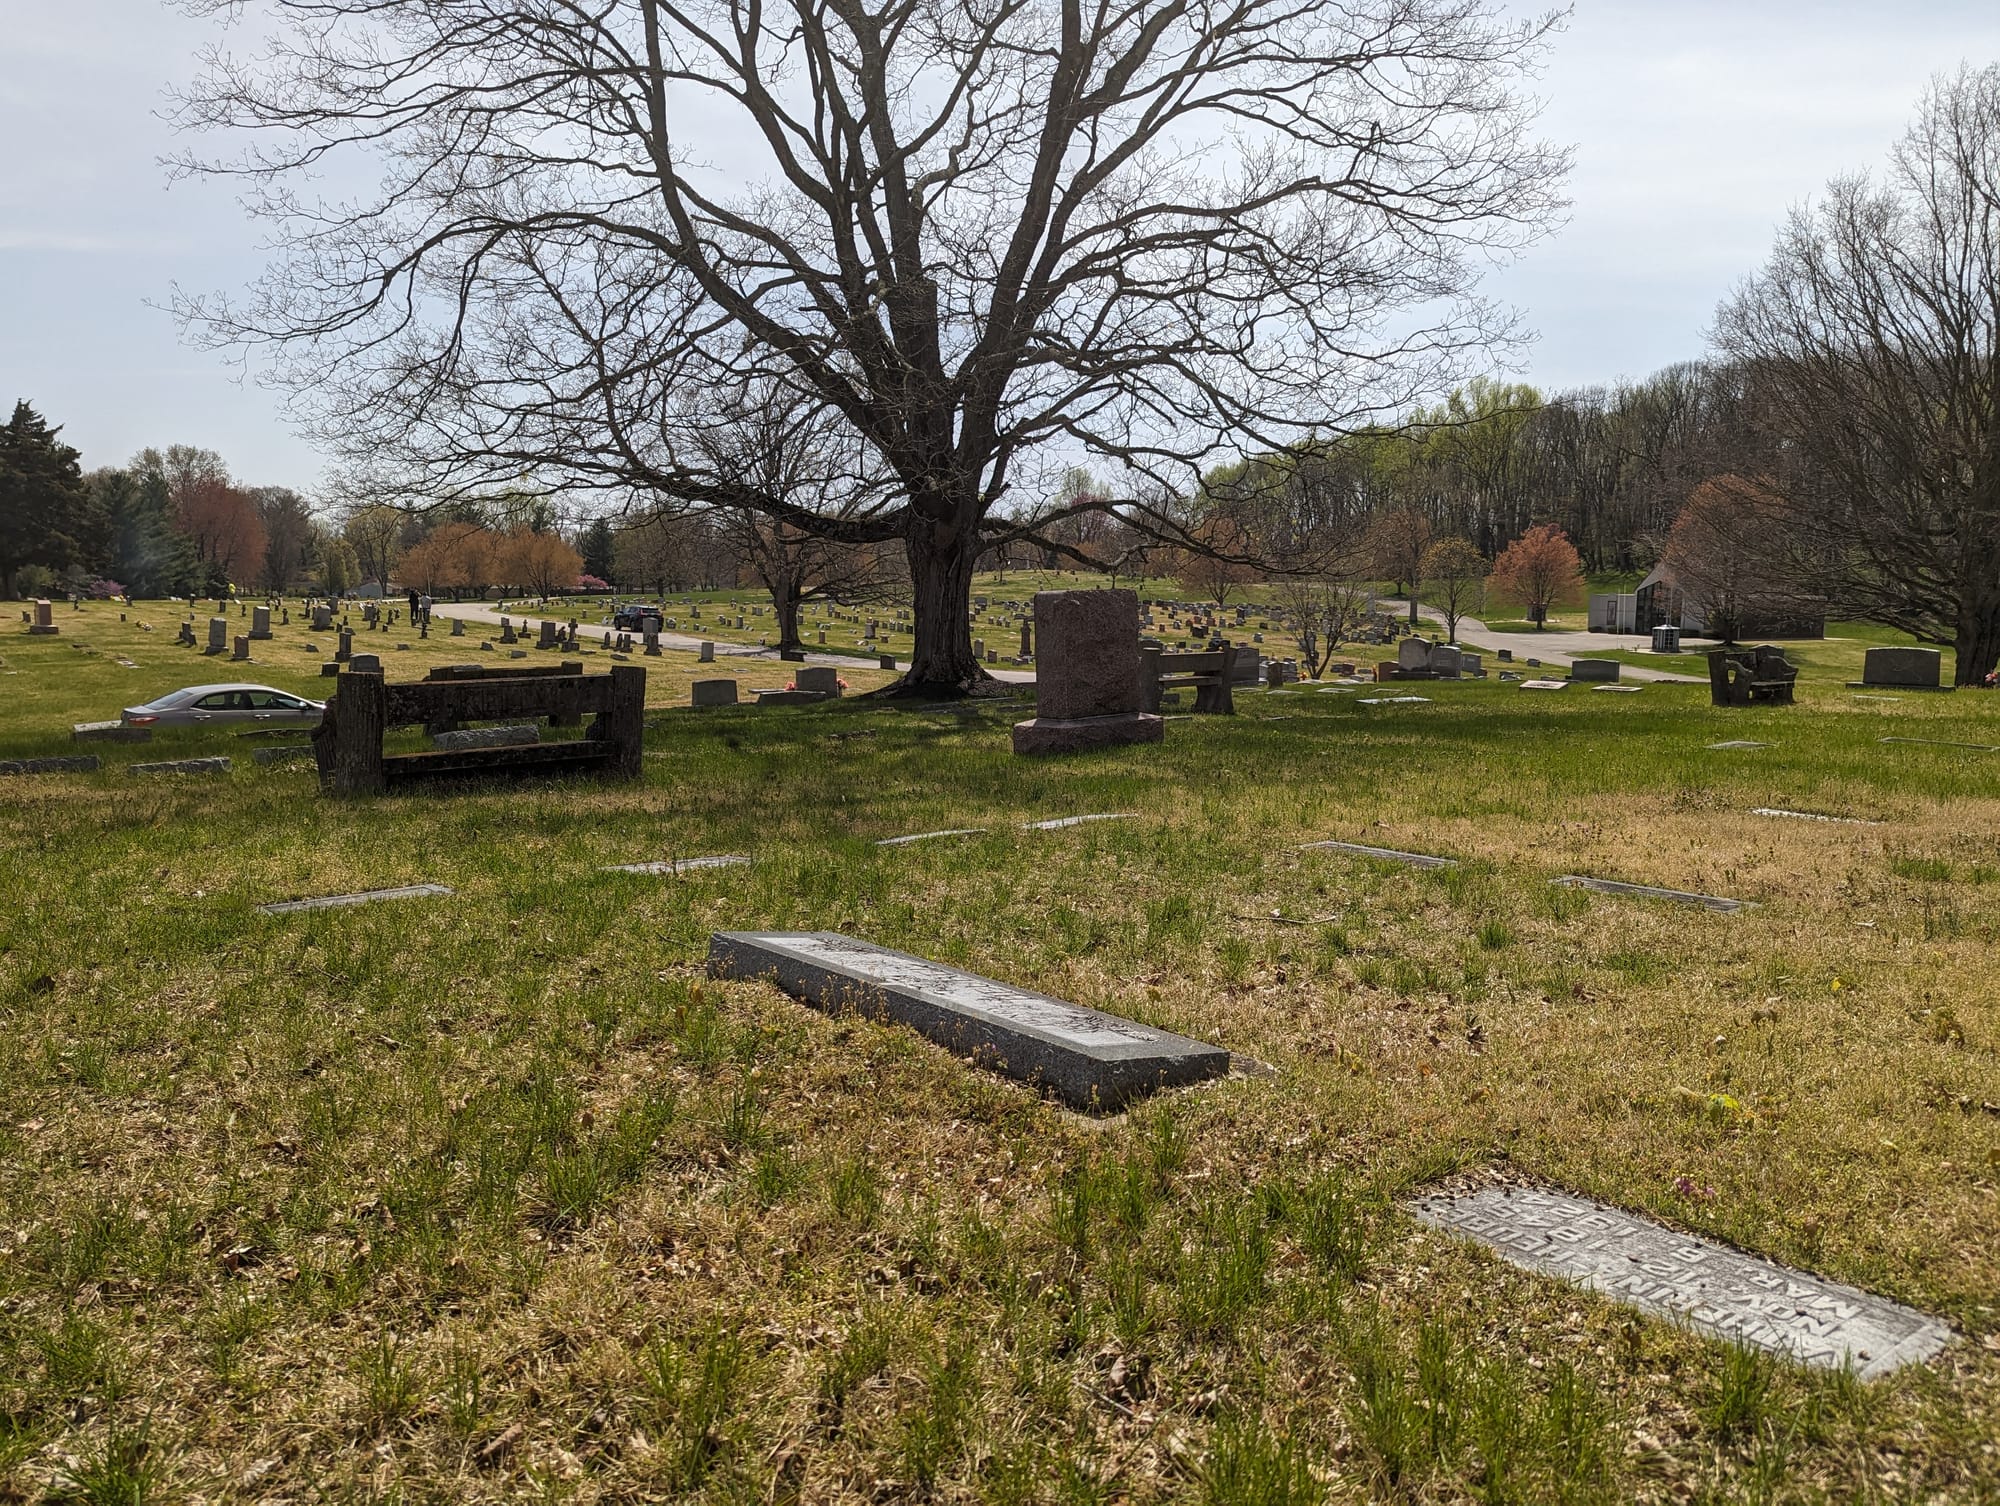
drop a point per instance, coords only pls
(597, 545)
(45, 517)
(145, 552)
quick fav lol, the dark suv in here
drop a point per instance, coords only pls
(637, 619)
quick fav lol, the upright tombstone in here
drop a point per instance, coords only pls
(1445, 662)
(818, 677)
(507, 632)
(242, 650)
(322, 618)
(1413, 657)
(44, 625)
(652, 644)
(1594, 671)
(707, 655)
(1087, 692)
(885, 661)
(714, 693)
(260, 623)
(1027, 640)
(549, 636)
(458, 627)
(218, 636)
(345, 651)
(1902, 669)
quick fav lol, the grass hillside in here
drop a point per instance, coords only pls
(496, 1195)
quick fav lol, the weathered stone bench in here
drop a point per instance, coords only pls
(1207, 674)
(1744, 677)
(347, 744)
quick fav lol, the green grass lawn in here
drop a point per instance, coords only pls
(496, 1196)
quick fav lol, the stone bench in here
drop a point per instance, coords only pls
(1209, 675)
(1751, 676)
(347, 744)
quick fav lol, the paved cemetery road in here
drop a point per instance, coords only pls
(1557, 649)
(680, 642)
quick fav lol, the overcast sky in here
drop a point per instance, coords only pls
(1695, 124)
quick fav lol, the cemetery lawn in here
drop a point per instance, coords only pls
(495, 1195)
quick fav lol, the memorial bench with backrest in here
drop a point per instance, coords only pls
(1207, 674)
(1748, 676)
(347, 744)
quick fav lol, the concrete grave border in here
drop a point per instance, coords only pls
(1648, 891)
(1382, 854)
(364, 897)
(1091, 1060)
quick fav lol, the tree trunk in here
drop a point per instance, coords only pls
(941, 559)
(785, 602)
(1977, 641)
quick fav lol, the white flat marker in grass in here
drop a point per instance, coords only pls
(680, 865)
(1647, 891)
(931, 836)
(1394, 700)
(1545, 684)
(1617, 689)
(1766, 810)
(1878, 698)
(1709, 1286)
(1062, 821)
(1090, 1059)
(1382, 854)
(1931, 742)
(366, 897)
(1739, 744)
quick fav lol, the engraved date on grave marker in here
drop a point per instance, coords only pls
(1720, 1291)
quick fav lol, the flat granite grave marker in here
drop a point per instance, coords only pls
(680, 865)
(1064, 821)
(1648, 891)
(1766, 810)
(1735, 745)
(1932, 742)
(1720, 1291)
(340, 901)
(1090, 1059)
(1394, 700)
(927, 836)
(1385, 854)
(181, 766)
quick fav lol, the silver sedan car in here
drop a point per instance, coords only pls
(205, 705)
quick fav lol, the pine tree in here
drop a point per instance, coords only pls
(597, 546)
(45, 516)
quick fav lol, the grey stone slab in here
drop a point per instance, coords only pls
(81, 763)
(1384, 854)
(931, 836)
(1090, 1059)
(1709, 1286)
(1904, 668)
(182, 766)
(1066, 821)
(1545, 684)
(1767, 810)
(681, 865)
(515, 736)
(1736, 745)
(1647, 891)
(341, 901)
(1932, 742)
(1619, 689)
(1394, 700)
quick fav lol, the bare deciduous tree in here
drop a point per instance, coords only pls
(1873, 336)
(1322, 612)
(1457, 573)
(979, 233)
